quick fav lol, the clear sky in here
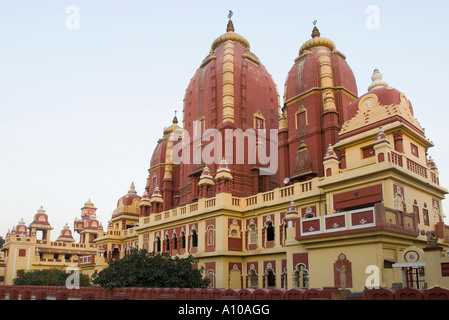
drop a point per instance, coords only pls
(81, 109)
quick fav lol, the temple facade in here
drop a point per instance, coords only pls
(354, 198)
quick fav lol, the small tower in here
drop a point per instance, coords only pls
(382, 146)
(40, 223)
(86, 211)
(156, 200)
(206, 183)
(291, 216)
(330, 162)
(66, 235)
(223, 177)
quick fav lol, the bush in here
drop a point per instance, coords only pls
(46, 277)
(142, 269)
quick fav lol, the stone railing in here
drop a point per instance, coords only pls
(285, 194)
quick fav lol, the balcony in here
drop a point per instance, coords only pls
(377, 217)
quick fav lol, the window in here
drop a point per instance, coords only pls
(414, 277)
(416, 212)
(158, 244)
(368, 152)
(270, 231)
(22, 252)
(301, 123)
(175, 241)
(210, 235)
(270, 278)
(301, 276)
(116, 254)
(194, 239)
(260, 123)
(260, 181)
(414, 150)
(167, 243)
(253, 279)
(183, 240)
(425, 217)
(252, 234)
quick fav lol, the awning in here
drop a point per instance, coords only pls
(409, 264)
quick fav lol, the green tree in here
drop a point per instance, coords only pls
(142, 269)
(47, 277)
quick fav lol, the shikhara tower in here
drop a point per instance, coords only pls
(230, 90)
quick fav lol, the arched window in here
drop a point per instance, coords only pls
(270, 278)
(253, 279)
(301, 276)
(252, 234)
(210, 235)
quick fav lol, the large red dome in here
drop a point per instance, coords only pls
(306, 74)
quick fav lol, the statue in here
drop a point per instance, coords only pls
(342, 272)
(432, 240)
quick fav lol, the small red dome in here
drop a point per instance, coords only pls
(385, 94)
(128, 198)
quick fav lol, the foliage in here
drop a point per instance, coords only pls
(47, 277)
(142, 269)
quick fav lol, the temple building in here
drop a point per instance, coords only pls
(355, 188)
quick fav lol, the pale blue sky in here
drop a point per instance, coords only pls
(81, 110)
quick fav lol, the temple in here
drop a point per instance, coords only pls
(354, 188)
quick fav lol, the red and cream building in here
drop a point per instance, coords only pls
(356, 188)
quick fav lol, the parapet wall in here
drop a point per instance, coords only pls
(96, 293)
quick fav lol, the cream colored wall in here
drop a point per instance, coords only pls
(321, 264)
(407, 151)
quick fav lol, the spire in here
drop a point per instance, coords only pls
(132, 189)
(230, 26)
(175, 119)
(381, 137)
(330, 153)
(377, 81)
